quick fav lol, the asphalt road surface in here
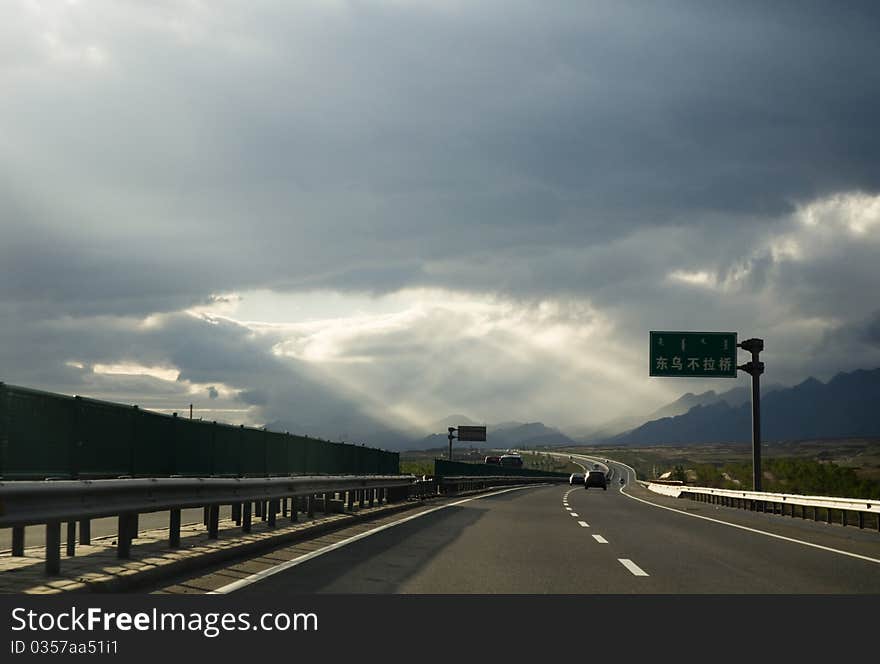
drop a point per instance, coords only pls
(562, 539)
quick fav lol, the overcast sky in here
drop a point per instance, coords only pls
(333, 215)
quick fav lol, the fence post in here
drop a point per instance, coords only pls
(85, 531)
(71, 538)
(174, 528)
(18, 541)
(53, 548)
(246, 517)
(123, 536)
(213, 521)
(272, 513)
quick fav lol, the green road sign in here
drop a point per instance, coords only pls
(693, 354)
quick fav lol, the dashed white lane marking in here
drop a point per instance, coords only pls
(573, 513)
(600, 539)
(584, 524)
(632, 567)
(259, 576)
(568, 508)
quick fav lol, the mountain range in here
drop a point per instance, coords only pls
(501, 435)
(845, 406)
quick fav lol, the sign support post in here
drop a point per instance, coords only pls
(711, 355)
(755, 368)
(466, 433)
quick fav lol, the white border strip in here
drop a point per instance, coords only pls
(259, 576)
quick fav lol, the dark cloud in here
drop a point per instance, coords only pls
(158, 159)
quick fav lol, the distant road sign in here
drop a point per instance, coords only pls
(693, 354)
(472, 433)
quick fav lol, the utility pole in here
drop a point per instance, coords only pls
(755, 368)
(451, 436)
(190, 411)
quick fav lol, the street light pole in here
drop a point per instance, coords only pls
(451, 436)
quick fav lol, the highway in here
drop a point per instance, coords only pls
(563, 539)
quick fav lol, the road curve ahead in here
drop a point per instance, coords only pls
(562, 539)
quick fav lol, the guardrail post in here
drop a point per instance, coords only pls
(85, 531)
(861, 519)
(135, 520)
(123, 536)
(258, 508)
(325, 500)
(174, 528)
(362, 499)
(349, 500)
(213, 521)
(272, 513)
(18, 541)
(236, 513)
(310, 505)
(828, 515)
(53, 548)
(293, 501)
(71, 539)
(843, 519)
(246, 517)
(372, 497)
(206, 517)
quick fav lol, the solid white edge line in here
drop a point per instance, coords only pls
(746, 528)
(632, 567)
(600, 539)
(259, 576)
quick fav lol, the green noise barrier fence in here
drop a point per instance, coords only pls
(443, 468)
(45, 435)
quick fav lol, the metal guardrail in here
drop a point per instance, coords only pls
(777, 503)
(26, 503)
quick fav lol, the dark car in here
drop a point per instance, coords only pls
(576, 478)
(494, 460)
(595, 478)
(511, 461)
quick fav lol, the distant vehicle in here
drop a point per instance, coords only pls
(596, 478)
(495, 460)
(511, 461)
(576, 478)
